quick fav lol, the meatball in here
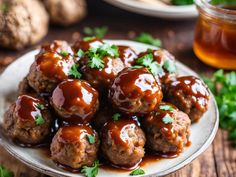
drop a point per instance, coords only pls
(50, 68)
(135, 91)
(123, 142)
(190, 95)
(67, 12)
(85, 45)
(167, 129)
(75, 101)
(75, 146)
(127, 55)
(24, 87)
(28, 120)
(19, 23)
(166, 60)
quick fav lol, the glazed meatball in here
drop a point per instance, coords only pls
(127, 55)
(24, 87)
(75, 146)
(85, 45)
(75, 101)
(67, 12)
(52, 65)
(135, 91)
(28, 120)
(166, 60)
(190, 95)
(123, 142)
(167, 129)
(22, 23)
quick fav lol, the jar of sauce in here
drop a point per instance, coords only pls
(215, 35)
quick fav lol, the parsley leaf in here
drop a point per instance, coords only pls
(223, 86)
(167, 119)
(116, 116)
(40, 106)
(98, 32)
(39, 120)
(156, 68)
(5, 172)
(74, 71)
(64, 53)
(166, 107)
(148, 39)
(89, 38)
(170, 66)
(145, 60)
(80, 53)
(138, 171)
(96, 62)
(91, 139)
(91, 171)
(181, 2)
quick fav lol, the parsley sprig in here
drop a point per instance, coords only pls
(166, 107)
(116, 116)
(223, 86)
(4, 172)
(98, 32)
(74, 71)
(136, 172)
(40, 106)
(91, 171)
(39, 120)
(148, 39)
(181, 2)
(167, 119)
(91, 139)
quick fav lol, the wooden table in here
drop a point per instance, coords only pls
(177, 36)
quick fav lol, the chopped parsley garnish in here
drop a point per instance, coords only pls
(116, 116)
(136, 172)
(223, 86)
(39, 120)
(166, 107)
(40, 106)
(5, 172)
(181, 2)
(4, 8)
(96, 62)
(91, 139)
(80, 53)
(98, 32)
(74, 71)
(91, 171)
(147, 61)
(89, 38)
(170, 66)
(64, 53)
(167, 119)
(148, 39)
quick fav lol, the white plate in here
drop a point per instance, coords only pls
(202, 133)
(156, 9)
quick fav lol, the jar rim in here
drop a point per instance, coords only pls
(206, 6)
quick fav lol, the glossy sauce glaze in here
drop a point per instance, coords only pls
(54, 65)
(127, 55)
(133, 84)
(57, 46)
(75, 99)
(27, 108)
(193, 87)
(85, 45)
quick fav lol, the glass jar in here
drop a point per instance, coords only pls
(215, 34)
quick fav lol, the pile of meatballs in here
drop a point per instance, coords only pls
(119, 109)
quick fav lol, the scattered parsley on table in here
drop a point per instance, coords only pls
(91, 171)
(136, 172)
(4, 172)
(148, 39)
(98, 32)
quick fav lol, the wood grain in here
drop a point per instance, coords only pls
(177, 36)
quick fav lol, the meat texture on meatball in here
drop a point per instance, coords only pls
(123, 142)
(167, 70)
(24, 87)
(19, 23)
(190, 95)
(28, 120)
(167, 129)
(127, 55)
(75, 101)
(67, 12)
(75, 146)
(51, 66)
(135, 90)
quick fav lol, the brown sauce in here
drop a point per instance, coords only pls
(85, 45)
(127, 55)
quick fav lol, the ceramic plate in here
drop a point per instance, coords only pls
(202, 133)
(156, 9)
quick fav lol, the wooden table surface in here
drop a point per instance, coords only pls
(177, 36)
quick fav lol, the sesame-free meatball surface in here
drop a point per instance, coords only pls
(85, 45)
(127, 55)
(28, 120)
(75, 146)
(75, 101)
(167, 129)
(135, 91)
(123, 142)
(51, 66)
(190, 95)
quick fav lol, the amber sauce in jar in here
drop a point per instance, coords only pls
(215, 35)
